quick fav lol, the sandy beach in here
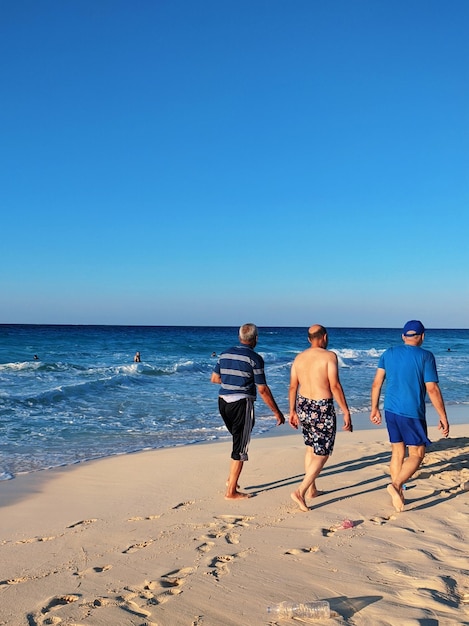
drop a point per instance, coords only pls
(148, 539)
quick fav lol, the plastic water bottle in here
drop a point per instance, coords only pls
(314, 610)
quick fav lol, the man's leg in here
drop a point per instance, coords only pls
(397, 459)
(402, 469)
(314, 466)
(410, 465)
(312, 491)
(232, 486)
(238, 417)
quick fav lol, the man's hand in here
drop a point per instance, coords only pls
(293, 421)
(444, 427)
(347, 423)
(280, 418)
(375, 416)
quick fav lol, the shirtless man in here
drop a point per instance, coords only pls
(314, 385)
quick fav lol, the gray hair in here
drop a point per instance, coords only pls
(248, 333)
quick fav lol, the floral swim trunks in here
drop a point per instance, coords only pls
(318, 422)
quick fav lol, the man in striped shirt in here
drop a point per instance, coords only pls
(240, 372)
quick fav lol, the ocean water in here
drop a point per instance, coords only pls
(84, 397)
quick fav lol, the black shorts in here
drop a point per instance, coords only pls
(239, 420)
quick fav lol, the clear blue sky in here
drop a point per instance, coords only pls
(219, 161)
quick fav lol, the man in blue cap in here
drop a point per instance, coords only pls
(410, 373)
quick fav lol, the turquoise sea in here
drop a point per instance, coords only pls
(84, 397)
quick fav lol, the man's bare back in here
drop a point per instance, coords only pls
(312, 368)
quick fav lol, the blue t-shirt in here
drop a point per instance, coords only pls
(407, 369)
(240, 369)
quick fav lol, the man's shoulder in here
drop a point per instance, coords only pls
(395, 349)
(316, 354)
(241, 350)
(406, 350)
(427, 354)
(235, 349)
(245, 349)
(420, 351)
(390, 354)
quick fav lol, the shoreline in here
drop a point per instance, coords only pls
(148, 538)
(458, 414)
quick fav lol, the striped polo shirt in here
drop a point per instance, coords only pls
(240, 369)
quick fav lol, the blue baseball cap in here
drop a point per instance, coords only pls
(413, 327)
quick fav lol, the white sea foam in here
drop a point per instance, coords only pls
(25, 365)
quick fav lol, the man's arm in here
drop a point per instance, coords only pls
(216, 378)
(266, 395)
(434, 393)
(338, 392)
(375, 415)
(292, 394)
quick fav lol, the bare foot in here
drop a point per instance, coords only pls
(397, 499)
(296, 497)
(237, 495)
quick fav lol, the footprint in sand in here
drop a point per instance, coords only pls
(137, 546)
(83, 522)
(60, 601)
(175, 578)
(235, 520)
(215, 535)
(223, 527)
(37, 539)
(128, 602)
(102, 602)
(295, 551)
(183, 504)
(44, 618)
(382, 520)
(170, 582)
(13, 581)
(96, 570)
(219, 564)
(206, 547)
(167, 595)
(143, 519)
(220, 567)
(104, 568)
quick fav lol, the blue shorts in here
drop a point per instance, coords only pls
(409, 430)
